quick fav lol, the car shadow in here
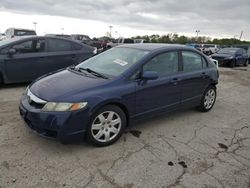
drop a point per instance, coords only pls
(16, 85)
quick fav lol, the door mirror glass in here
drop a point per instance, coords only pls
(12, 51)
(150, 75)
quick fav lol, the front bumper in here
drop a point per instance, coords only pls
(67, 127)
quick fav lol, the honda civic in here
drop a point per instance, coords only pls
(97, 99)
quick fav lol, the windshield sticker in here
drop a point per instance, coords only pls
(120, 62)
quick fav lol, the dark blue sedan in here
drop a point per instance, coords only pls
(100, 97)
(232, 57)
(24, 59)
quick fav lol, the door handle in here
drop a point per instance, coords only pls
(174, 81)
(203, 75)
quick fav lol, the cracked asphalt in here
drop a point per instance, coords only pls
(182, 149)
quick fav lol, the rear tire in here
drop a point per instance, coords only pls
(1, 80)
(106, 126)
(208, 99)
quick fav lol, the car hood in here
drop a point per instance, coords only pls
(63, 86)
(221, 55)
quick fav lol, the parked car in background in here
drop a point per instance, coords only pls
(100, 97)
(210, 48)
(25, 59)
(231, 57)
(15, 32)
(59, 35)
(244, 46)
(87, 40)
(120, 41)
(138, 40)
(2, 36)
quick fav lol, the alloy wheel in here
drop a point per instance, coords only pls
(209, 99)
(106, 126)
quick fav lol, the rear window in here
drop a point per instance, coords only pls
(24, 32)
(57, 45)
(77, 46)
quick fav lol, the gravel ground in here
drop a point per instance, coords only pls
(183, 149)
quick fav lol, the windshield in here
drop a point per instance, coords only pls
(208, 46)
(114, 61)
(230, 51)
(7, 41)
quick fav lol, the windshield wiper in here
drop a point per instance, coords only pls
(93, 72)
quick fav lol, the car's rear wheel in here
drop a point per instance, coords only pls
(208, 99)
(246, 63)
(232, 63)
(1, 80)
(106, 126)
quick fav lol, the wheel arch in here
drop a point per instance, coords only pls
(115, 103)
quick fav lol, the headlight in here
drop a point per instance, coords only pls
(26, 91)
(95, 51)
(229, 57)
(61, 107)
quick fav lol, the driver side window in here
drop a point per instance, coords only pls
(31, 46)
(164, 64)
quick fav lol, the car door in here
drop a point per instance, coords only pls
(194, 78)
(61, 54)
(162, 93)
(24, 64)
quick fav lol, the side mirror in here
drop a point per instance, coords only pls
(150, 75)
(12, 51)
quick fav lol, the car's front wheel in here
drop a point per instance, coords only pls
(208, 99)
(106, 126)
(246, 63)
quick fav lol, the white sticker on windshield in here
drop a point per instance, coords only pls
(120, 62)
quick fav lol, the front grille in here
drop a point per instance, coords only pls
(34, 101)
(36, 105)
(218, 58)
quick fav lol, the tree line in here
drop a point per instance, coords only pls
(181, 39)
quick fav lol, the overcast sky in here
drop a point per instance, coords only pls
(215, 18)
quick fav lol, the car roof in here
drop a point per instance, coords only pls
(22, 38)
(154, 46)
(232, 48)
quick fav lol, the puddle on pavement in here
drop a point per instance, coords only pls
(170, 163)
(183, 164)
(223, 146)
(135, 133)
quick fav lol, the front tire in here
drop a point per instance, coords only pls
(246, 63)
(208, 99)
(106, 126)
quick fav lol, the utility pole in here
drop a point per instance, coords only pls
(34, 23)
(62, 30)
(197, 33)
(110, 30)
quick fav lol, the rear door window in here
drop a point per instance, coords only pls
(192, 61)
(58, 45)
(164, 64)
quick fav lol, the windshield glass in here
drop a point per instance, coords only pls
(114, 61)
(231, 51)
(7, 41)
